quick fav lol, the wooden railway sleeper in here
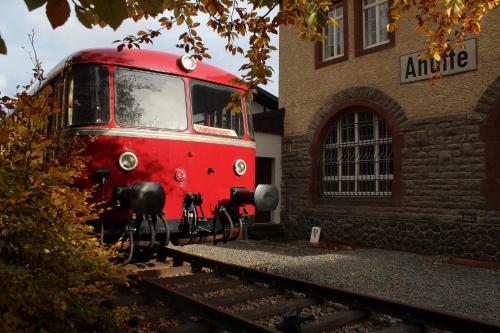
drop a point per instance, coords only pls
(210, 287)
(191, 278)
(413, 314)
(211, 313)
(281, 307)
(403, 328)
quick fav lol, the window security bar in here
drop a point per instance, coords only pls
(357, 157)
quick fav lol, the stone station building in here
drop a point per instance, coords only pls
(377, 155)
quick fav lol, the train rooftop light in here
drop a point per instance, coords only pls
(187, 62)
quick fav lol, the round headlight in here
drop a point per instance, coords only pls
(188, 62)
(128, 161)
(240, 167)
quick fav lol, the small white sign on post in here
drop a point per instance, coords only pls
(315, 235)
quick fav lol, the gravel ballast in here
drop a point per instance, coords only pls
(420, 280)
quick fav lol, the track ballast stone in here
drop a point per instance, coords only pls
(411, 278)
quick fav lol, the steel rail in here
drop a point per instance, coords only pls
(211, 313)
(410, 313)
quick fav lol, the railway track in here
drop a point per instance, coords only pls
(240, 299)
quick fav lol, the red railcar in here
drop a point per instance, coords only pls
(171, 159)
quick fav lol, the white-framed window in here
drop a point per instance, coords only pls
(333, 45)
(357, 157)
(375, 21)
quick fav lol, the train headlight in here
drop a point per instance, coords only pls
(128, 161)
(188, 63)
(240, 167)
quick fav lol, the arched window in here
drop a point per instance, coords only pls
(356, 158)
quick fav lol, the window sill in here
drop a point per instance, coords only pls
(376, 45)
(363, 51)
(389, 201)
(323, 63)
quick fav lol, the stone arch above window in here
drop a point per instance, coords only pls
(489, 106)
(352, 96)
(490, 96)
(373, 152)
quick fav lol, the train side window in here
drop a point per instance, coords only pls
(55, 120)
(53, 89)
(209, 107)
(148, 99)
(88, 95)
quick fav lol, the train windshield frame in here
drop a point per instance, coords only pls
(209, 111)
(149, 99)
(248, 110)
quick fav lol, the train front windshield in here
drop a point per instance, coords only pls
(151, 100)
(147, 99)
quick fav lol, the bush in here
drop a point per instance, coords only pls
(54, 275)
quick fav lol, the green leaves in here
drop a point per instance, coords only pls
(322, 18)
(34, 4)
(113, 12)
(311, 20)
(58, 12)
(3, 47)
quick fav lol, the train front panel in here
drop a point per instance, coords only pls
(180, 163)
(170, 146)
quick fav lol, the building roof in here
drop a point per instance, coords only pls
(271, 121)
(266, 98)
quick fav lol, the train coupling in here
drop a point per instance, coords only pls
(265, 197)
(141, 198)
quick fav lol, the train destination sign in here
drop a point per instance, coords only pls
(458, 61)
(214, 130)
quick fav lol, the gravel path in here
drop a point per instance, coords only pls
(411, 278)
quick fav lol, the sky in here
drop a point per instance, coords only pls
(16, 22)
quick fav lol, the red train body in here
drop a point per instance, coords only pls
(170, 157)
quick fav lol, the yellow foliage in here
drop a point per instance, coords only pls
(54, 275)
(447, 23)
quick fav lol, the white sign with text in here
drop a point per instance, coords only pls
(214, 130)
(458, 61)
(315, 235)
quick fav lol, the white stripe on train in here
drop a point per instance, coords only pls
(159, 134)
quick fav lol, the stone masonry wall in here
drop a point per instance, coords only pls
(446, 164)
(442, 167)
(479, 241)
